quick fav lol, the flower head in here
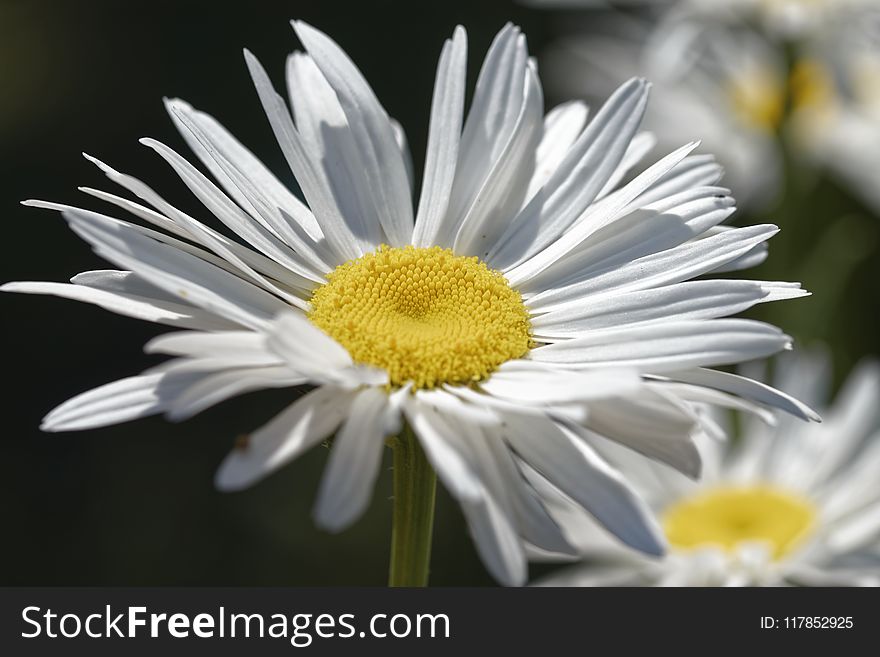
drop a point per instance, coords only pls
(743, 74)
(788, 504)
(525, 307)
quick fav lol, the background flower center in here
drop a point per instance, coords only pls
(424, 314)
(729, 516)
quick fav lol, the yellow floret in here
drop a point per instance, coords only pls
(425, 315)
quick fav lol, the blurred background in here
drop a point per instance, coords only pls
(135, 504)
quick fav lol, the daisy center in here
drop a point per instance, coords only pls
(425, 315)
(727, 517)
(760, 98)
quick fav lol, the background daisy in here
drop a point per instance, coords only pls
(786, 505)
(749, 92)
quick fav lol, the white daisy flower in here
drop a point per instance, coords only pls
(739, 88)
(782, 18)
(525, 306)
(727, 88)
(791, 504)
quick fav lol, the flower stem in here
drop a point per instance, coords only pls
(415, 484)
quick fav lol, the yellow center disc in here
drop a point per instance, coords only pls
(425, 315)
(726, 517)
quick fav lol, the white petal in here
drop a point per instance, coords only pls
(116, 402)
(308, 254)
(670, 266)
(638, 149)
(438, 438)
(693, 171)
(246, 347)
(577, 470)
(534, 522)
(640, 232)
(302, 425)
(220, 386)
(447, 404)
(403, 145)
(257, 261)
(306, 168)
(706, 299)
(444, 133)
(703, 395)
(497, 541)
(532, 386)
(562, 126)
(230, 214)
(595, 218)
(668, 346)
(748, 389)
(243, 259)
(150, 309)
(229, 148)
(383, 164)
(574, 412)
(353, 467)
(327, 135)
(177, 272)
(489, 212)
(574, 185)
(496, 109)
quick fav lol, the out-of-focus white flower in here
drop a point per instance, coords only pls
(782, 18)
(787, 504)
(526, 302)
(744, 89)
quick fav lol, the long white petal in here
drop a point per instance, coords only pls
(487, 216)
(438, 438)
(668, 346)
(748, 389)
(247, 347)
(641, 144)
(595, 218)
(383, 164)
(307, 251)
(353, 467)
(223, 385)
(444, 132)
(302, 425)
(306, 168)
(707, 299)
(230, 214)
(570, 465)
(577, 181)
(177, 272)
(120, 401)
(222, 143)
(497, 541)
(150, 309)
(327, 135)
(495, 110)
(532, 386)
(670, 266)
(562, 126)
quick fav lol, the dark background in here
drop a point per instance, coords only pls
(135, 504)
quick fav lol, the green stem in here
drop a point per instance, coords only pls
(415, 484)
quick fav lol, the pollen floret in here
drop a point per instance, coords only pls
(425, 315)
(727, 517)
